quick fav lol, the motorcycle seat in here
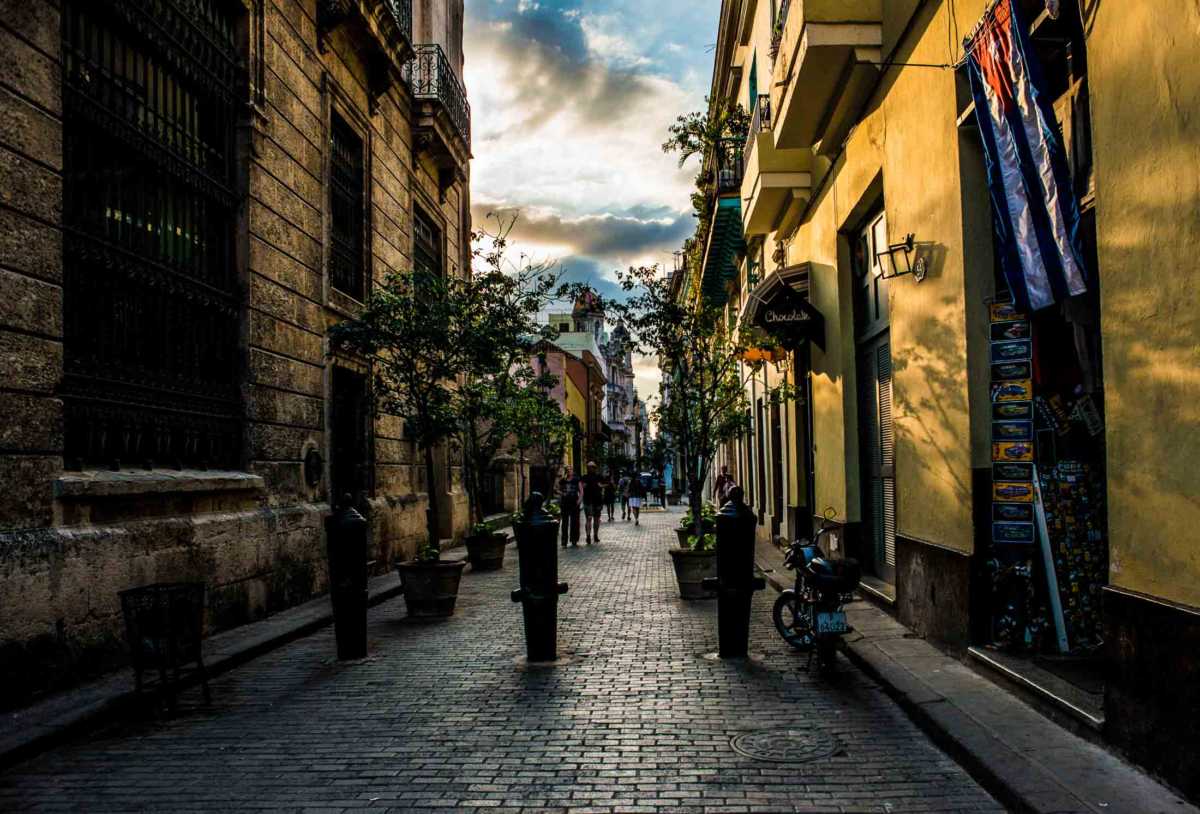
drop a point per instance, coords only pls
(837, 575)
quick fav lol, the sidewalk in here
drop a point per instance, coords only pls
(1027, 761)
(53, 720)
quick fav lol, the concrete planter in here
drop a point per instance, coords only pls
(486, 552)
(430, 588)
(691, 569)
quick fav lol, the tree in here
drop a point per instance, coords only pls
(704, 403)
(407, 333)
(500, 333)
(448, 353)
(539, 424)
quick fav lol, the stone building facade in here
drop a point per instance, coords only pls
(194, 192)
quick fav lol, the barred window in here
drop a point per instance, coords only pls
(427, 245)
(149, 291)
(346, 255)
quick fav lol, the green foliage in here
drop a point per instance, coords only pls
(450, 355)
(705, 542)
(484, 529)
(429, 553)
(708, 515)
(695, 133)
(703, 402)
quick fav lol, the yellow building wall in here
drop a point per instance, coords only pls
(1146, 127)
(908, 146)
(577, 406)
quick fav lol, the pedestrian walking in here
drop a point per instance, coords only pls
(722, 485)
(568, 503)
(593, 502)
(637, 494)
(610, 495)
(623, 489)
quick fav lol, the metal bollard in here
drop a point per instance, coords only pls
(346, 545)
(735, 582)
(537, 550)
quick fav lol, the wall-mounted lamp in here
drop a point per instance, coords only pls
(917, 269)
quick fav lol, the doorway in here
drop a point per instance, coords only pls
(876, 436)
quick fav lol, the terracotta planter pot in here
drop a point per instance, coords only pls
(430, 588)
(691, 569)
(486, 553)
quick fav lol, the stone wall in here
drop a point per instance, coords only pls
(69, 541)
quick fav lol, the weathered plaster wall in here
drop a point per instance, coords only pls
(1145, 129)
(906, 147)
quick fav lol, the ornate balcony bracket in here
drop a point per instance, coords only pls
(380, 80)
(330, 15)
(385, 24)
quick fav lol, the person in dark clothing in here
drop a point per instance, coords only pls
(637, 494)
(610, 495)
(568, 501)
(593, 502)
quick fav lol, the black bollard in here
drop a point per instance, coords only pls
(735, 582)
(346, 544)
(537, 550)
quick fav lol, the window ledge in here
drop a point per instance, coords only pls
(102, 483)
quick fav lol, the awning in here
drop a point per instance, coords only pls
(725, 241)
(779, 307)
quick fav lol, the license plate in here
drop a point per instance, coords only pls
(832, 622)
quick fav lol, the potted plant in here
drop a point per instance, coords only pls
(695, 560)
(686, 528)
(485, 547)
(408, 334)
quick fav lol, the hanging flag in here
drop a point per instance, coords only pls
(1034, 210)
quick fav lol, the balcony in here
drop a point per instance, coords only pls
(725, 232)
(774, 179)
(441, 112)
(824, 69)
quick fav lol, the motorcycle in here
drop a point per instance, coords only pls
(811, 617)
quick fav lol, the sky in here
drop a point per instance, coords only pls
(570, 102)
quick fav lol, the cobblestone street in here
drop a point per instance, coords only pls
(443, 715)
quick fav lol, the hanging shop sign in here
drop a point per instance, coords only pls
(791, 320)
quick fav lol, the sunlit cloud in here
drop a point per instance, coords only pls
(570, 102)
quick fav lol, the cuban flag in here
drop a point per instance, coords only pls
(1034, 210)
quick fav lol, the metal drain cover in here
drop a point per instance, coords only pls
(791, 745)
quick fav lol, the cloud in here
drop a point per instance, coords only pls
(571, 100)
(619, 238)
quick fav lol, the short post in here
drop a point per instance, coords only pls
(735, 582)
(346, 545)
(537, 550)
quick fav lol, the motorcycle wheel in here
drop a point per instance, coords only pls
(793, 620)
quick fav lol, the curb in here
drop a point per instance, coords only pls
(912, 700)
(115, 696)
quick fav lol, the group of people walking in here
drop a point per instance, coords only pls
(596, 494)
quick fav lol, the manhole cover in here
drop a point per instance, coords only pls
(784, 745)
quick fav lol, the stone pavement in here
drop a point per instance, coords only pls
(442, 715)
(1033, 763)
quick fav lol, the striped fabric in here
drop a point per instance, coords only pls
(1034, 210)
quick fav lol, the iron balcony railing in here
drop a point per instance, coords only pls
(777, 29)
(431, 78)
(402, 13)
(729, 165)
(760, 121)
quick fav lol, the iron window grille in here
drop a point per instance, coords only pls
(346, 243)
(430, 77)
(150, 294)
(427, 246)
(729, 165)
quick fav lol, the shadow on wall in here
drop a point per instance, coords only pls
(934, 420)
